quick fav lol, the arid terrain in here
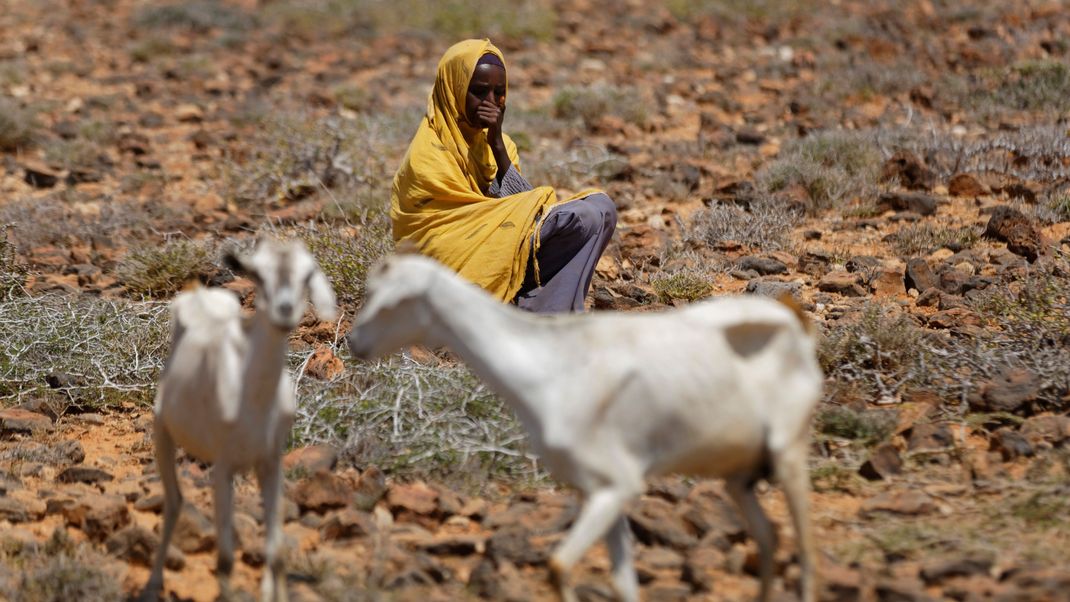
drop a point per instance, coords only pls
(901, 168)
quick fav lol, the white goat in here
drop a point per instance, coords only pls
(225, 396)
(723, 388)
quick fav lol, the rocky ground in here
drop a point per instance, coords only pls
(903, 169)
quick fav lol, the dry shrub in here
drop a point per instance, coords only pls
(198, 16)
(922, 239)
(832, 167)
(416, 419)
(60, 569)
(346, 254)
(160, 271)
(685, 285)
(588, 104)
(18, 125)
(764, 224)
(85, 351)
(52, 220)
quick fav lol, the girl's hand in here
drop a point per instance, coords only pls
(491, 117)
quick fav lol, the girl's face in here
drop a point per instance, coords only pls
(488, 84)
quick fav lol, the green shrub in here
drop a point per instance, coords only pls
(866, 426)
(346, 254)
(162, 270)
(686, 286)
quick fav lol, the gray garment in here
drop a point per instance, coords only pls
(512, 183)
(573, 236)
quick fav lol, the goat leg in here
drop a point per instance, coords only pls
(172, 505)
(273, 583)
(224, 515)
(791, 471)
(619, 542)
(601, 510)
(742, 491)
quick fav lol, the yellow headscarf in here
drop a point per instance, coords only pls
(437, 200)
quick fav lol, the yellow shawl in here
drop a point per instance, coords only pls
(437, 201)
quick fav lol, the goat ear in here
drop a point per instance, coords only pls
(322, 296)
(234, 263)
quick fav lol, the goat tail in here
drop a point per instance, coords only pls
(788, 300)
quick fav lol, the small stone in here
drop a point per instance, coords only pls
(883, 462)
(83, 474)
(1010, 444)
(189, 113)
(963, 184)
(346, 524)
(656, 522)
(514, 544)
(763, 265)
(906, 168)
(311, 459)
(1009, 225)
(1010, 391)
(137, 545)
(928, 436)
(843, 283)
(920, 276)
(194, 532)
(887, 283)
(937, 571)
(907, 503)
(922, 204)
(15, 420)
(370, 489)
(1053, 430)
(454, 545)
(39, 175)
(416, 498)
(97, 515)
(324, 364)
(322, 491)
(701, 567)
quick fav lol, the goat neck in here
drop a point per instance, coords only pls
(266, 357)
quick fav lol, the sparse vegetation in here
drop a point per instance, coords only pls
(12, 272)
(58, 570)
(346, 254)
(764, 224)
(924, 238)
(198, 16)
(589, 104)
(1034, 86)
(18, 125)
(684, 285)
(416, 419)
(832, 167)
(866, 426)
(160, 271)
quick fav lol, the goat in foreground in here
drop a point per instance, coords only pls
(723, 388)
(226, 398)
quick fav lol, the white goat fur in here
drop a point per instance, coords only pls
(723, 388)
(226, 398)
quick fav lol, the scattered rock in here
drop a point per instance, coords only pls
(1053, 430)
(965, 185)
(83, 474)
(454, 544)
(1011, 226)
(843, 283)
(887, 283)
(930, 436)
(311, 459)
(883, 462)
(656, 522)
(97, 515)
(907, 503)
(773, 288)
(937, 571)
(194, 532)
(138, 545)
(15, 420)
(920, 276)
(39, 175)
(515, 545)
(922, 204)
(370, 489)
(762, 265)
(347, 523)
(906, 168)
(324, 364)
(1013, 390)
(1010, 444)
(320, 492)
(412, 498)
(701, 567)
(17, 511)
